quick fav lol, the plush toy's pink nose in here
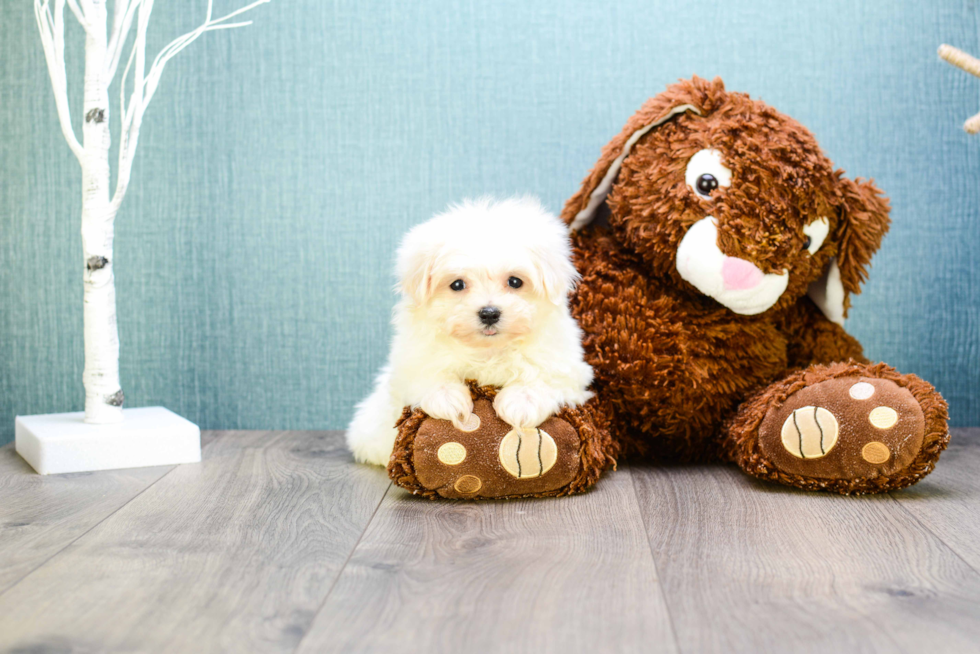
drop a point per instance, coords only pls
(739, 274)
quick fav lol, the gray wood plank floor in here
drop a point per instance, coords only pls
(40, 516)
(277, 542)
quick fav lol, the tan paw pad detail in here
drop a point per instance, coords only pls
(468, 484)
(883, 417)
(451, 453)
(472, 423)
(875, 452)
(810, 432)
(527, 453)
(861, 391)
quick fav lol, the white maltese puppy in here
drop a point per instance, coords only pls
(484, 296)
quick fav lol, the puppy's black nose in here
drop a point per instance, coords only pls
(489, 315)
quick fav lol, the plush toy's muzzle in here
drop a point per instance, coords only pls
(736, 283)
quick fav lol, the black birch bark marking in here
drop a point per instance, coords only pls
(96, 263)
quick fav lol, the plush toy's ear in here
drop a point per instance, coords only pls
(828, 293)
(863, 223)
(695, 95)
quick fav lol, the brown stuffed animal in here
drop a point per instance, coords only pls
(719, 248)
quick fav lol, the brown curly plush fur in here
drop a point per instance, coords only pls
(673, 365)
(401, 468)
(597, 450)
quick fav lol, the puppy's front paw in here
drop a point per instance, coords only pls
(523, 407)
(449, 402)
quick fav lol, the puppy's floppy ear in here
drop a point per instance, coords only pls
(696, 95)
(416, 262)
(556, 274)
(864, 221)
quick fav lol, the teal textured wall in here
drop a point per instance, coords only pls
(279, 165)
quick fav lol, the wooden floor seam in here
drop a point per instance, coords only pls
(333, 584)
(653, 560)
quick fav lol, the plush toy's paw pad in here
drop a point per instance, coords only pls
(528, 453)
(845, 428)
(492, 459)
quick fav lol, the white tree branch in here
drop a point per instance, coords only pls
(52, 30)
(79, 14)
(970, 64)
(132, 117)
(960, 59)
(174, 47)
(972, 126)
(145, 83)
(125, 10)
(119, 9)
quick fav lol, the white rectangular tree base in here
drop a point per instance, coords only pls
(150, 436)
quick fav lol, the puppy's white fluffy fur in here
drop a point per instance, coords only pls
(534, 353)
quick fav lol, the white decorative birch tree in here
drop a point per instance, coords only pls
(971, 65)
(104, 49)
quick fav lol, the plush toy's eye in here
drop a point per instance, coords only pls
(458, 285)
(814, 235)
(706, 184)
(515, 282)
(705, 173)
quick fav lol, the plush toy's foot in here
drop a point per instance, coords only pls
(564, 455)
(848, 428)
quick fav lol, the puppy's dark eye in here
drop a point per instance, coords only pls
(458, 285)
(806, 242)
(706, 184)
(515, 282)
